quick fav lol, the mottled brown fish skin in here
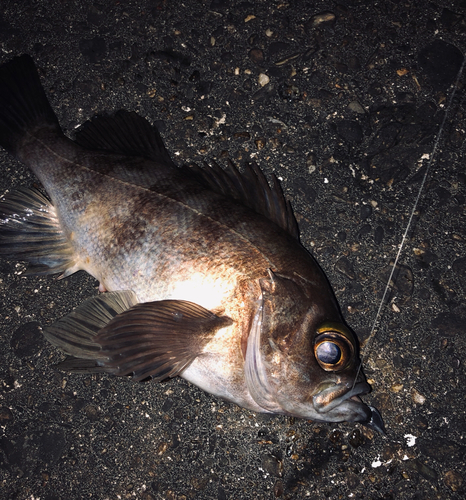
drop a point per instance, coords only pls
(157, 230)
(163, 235)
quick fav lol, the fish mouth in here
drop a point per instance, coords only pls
(332, 397)
(342, 402)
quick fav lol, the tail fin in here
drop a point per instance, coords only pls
(23, 103)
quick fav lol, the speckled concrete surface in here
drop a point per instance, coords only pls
(343, 101)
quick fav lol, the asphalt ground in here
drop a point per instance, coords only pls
(344, 102)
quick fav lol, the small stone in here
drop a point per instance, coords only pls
(402, 72)
(395, 308)
(278, 489)
(168, 403)
(272, 465)
(327, 18)
(354, 63)
(356, 107)
(350, 131)
(256, 56)
(263, 79)
(289, 92)
(27, 340)
(378, 235)
(335, 436)
(364, 231)
(423, 469)
(247, 84)
(356, 438)
(418, 397)
(453, 480)
(260, 143)
(402, 281)
(311, 163)
(441, 62)
(344, 266)
(5, 416)
(278, 48)
(92, 413)
(242, 135)
(365, 212)
(162, 448)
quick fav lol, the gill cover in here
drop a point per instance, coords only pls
(280, 311)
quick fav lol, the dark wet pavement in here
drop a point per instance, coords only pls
(343, 102)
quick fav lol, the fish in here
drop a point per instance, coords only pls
(201, 269)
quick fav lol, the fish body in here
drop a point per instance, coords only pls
(204, 272)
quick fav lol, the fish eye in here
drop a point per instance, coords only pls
(328, 353)
(333, 350)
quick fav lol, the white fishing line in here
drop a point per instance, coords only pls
(373, 331)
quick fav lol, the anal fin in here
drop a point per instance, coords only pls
(112, 333)
(30, 231)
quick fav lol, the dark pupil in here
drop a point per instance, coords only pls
(328, 353)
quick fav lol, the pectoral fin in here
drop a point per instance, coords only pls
(154, 339)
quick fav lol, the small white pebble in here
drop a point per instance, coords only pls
(418, 398)
(410, 439)
(263, 79)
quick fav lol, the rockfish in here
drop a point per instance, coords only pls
(203, 270)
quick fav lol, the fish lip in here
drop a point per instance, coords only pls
(366, 414)
(328, 399)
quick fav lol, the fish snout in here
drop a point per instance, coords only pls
(341, 402)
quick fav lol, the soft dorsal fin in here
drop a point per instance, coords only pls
(252, 189)
(129, 134)
(124, 133)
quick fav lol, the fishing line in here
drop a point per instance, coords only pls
(373, 331)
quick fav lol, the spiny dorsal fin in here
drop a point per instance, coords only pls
(124, 133)
(129, 134)
(252, 189)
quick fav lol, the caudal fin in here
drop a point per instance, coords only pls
(23, 103)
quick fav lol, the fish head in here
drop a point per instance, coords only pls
(301, 358)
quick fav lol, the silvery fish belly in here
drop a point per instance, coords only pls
(202, 269)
